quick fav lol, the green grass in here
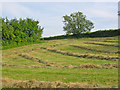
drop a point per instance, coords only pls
(10, 46)
(101, 76)
(67, 60)
(84, 51)
(81, 43)
(21, 61)
(105, 77)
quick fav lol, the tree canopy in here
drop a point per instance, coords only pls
(22, 30)
(77, 23)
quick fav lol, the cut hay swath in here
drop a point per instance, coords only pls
(106, 66)
(102, 44)
(96, 50)
(82, 55)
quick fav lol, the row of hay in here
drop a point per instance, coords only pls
(9, 65)
(11, 83)
(101, 44)
(105, 66)
(30, 66)
(93, 49)
(55, 45)
(30, 49)
(27, 56)
(110, 41)
(14, 65)
(39, 48)
(104, 40)
(82, 55)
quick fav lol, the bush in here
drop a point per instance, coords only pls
(22, 30)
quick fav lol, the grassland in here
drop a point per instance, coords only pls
(63, 63)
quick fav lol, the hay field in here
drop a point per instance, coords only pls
(64, 63)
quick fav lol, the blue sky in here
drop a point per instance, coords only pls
(50, 14)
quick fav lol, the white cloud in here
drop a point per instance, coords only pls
(15, 9)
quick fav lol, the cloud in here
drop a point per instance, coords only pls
(104, 15)
(16, 10)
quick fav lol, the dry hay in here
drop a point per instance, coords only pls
(93, 49)
(9, 65)
(13, 65)
(110, 66)
(110, 41)
(27, 56)
(31, 66)
(82, 55)
(106, 66)
(88, 65)
(28, 50)
(33, 49)
(105, 40)
(55, 45)
(11, 83)
(101, 44)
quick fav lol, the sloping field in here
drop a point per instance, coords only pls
(65, 63)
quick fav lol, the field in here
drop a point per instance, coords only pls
(63, 63)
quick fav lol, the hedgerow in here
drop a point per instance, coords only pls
(99, 33)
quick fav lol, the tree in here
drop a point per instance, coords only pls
(20, 30)
(77, 23)
(7, 32)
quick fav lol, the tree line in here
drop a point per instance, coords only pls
(20, 30)
(28, 30)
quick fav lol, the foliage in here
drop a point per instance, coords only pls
(99, 33)
(77, 23)
(104, 33)
(14, 45)
(22, 30)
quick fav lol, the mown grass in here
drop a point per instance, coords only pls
(82, 41)
(10, 46)
(84, 51)
(105, 77)
(17, 60)
(67, 60)
(69, 41)
(100, 76)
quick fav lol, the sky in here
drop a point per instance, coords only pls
(50, 14)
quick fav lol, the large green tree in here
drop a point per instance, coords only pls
(20, 30)
(77, 23)
(7, 32)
